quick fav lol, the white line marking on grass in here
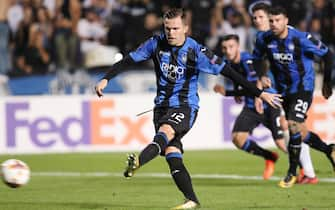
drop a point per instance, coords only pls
(162, 175)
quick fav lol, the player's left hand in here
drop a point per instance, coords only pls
(327, 90)
(274, 99)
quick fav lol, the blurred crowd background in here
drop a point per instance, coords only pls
(65, 46)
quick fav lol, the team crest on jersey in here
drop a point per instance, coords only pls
(184, 58)
(291, 46)
(164, 53)
(272, 46)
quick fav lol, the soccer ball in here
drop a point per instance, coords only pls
(15, 173)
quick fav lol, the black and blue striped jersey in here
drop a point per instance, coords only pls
(291, 58)
(246, 68)
(177, 69)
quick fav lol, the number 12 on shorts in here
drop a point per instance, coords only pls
(177, 117)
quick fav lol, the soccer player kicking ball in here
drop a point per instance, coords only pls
(290, 54)
(250, 118)
(178, 61)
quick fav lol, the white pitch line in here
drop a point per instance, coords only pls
(162, 175)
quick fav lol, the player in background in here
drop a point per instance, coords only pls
(260, 17)
(249, 118)
(290, 53)
(178, 60)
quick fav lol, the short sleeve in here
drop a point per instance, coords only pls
(208, 62)
(145, 50)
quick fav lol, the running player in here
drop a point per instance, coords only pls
(290, 53)
(260, 16)
(249, 118)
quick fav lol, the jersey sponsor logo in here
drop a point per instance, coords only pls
(283, 58)
(172, 72)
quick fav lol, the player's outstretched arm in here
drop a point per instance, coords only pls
(273, 99)
(115, 70)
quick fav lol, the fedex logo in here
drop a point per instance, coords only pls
(89, 128)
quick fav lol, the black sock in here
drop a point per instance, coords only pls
(294, 148)
(154, 148)
(314, 141)
(181, 176)
(253, 148)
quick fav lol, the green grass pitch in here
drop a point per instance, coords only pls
(93, 181)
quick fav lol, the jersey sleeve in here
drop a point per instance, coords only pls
(312, 45)
(208, 62)
(145, 50)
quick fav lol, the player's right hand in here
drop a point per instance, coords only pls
(100, 86)
(273, 99)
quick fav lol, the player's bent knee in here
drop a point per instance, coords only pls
(239, 139)
(168, 130)
(161, 141)
(294, 126)
(171, 149)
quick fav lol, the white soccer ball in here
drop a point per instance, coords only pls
(15, 173)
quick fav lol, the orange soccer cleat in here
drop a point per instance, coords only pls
(270, 166)
(308, 180)
(301, 175)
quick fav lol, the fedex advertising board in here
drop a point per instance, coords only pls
(43, 124)
(76, 124)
